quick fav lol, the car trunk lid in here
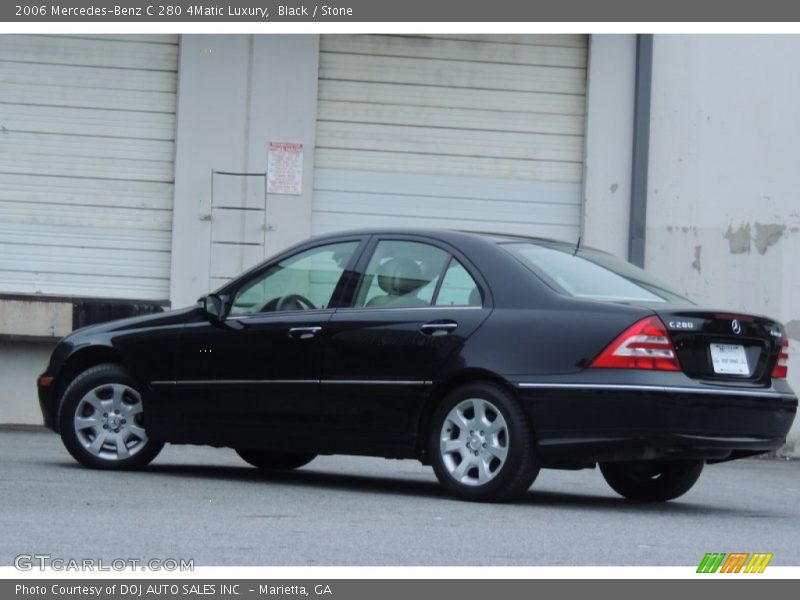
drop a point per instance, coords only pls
(723, 346)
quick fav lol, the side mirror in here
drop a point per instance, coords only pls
(214, 307)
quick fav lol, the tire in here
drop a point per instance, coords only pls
(101, 420)
(652, 480)
(481, 446)
(275, 461)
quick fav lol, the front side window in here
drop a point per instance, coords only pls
(305, 281)
(401, 274)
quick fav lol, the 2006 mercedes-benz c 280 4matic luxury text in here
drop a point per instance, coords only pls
(487, 356)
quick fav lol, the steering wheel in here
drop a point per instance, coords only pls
(294, 302)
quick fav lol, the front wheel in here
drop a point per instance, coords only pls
(275, 461)
(481, 445)
(652, 480)
(101, 420)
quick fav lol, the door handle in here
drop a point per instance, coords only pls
(440, 328)
(304, 333)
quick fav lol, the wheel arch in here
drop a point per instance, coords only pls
(77, 362)
(444, 387)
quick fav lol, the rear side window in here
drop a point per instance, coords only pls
(405, 274)
(592, 274)
(401, 274)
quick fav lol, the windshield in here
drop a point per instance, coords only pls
(592, 274)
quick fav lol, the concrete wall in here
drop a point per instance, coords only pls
(723, 220)
(20, 364)
(235, 94)
(609, 142)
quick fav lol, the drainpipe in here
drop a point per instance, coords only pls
(641, 149)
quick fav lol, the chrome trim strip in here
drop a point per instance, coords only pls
(279, 315)
(288, 381)
(330, 311)
(429, 307)
(652, 388)
(375, 382)
(231, 381)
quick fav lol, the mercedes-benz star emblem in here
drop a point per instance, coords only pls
(736, 326)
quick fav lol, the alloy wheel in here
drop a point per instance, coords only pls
(108, 422)
(474, 442)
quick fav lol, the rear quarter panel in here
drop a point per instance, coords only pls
(546, 341)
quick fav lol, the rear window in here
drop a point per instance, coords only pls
(592, 274)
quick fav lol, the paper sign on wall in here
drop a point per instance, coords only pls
(285, 168)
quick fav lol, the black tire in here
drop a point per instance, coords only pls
(124, 443)
(275, 461)
(652, 480)
(456, 468)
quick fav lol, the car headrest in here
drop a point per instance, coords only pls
(399, 276)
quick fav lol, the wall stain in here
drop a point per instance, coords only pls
(739, 240)
(767, 235)
(696, 263)
(614, 187)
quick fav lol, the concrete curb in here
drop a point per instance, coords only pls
(24, 428)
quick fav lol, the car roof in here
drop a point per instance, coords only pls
(445, 234)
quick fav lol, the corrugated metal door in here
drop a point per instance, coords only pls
(87, 128)
(480, 132)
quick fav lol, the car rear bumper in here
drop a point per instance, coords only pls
(592, 421)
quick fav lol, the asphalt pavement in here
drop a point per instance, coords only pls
(208, 505)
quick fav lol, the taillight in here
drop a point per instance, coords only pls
(782, 366)
(644, 345)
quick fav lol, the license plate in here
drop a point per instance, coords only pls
(729, 359)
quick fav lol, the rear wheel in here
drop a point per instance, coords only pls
(101, 420)
(481, 445)
(275, 461)
(652, 480)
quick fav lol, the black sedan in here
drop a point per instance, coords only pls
(487, 356)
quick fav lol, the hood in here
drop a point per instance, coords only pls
(170, 317)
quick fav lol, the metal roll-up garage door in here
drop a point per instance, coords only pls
(476, 132)
(86, 164)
